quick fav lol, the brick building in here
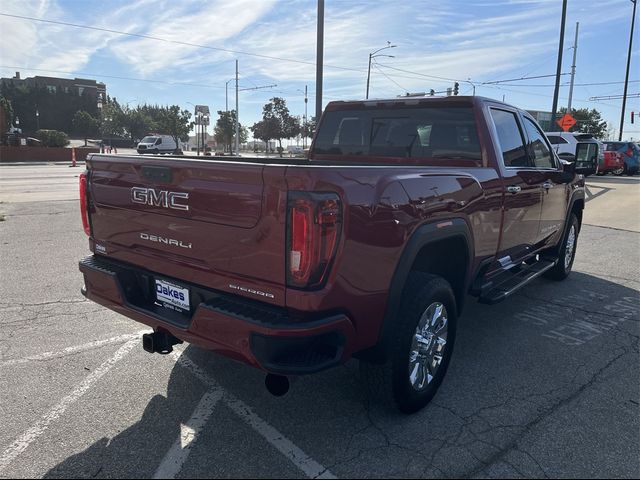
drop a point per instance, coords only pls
(79, 86)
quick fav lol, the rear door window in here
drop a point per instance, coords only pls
(510, 138)
(537, 146)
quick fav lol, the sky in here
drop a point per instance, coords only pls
(195, 44)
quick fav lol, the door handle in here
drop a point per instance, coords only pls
(513, 189)
(547, 185)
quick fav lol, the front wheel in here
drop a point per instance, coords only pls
(421, 349)
(567, 252)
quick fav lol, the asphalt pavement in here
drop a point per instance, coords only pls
(545, 384)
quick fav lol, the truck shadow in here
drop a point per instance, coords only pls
(511, 361)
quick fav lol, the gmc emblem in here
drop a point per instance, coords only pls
(162, 198)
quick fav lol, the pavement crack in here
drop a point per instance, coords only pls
(529, 426)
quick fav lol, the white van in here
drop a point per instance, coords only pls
(157, 144)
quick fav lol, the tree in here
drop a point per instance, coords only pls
(308, 128)
(287, 125)
(111, 120)
(265, 130)
(225, 130)
(136, 123)
(6, 115)
(56, 108)
(175, 122)
(588, 121)
(85, 125)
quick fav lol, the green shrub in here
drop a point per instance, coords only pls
(53, 138)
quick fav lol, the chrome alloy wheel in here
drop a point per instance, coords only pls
(569, 248)
(427, 347)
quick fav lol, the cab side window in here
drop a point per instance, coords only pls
(537, 146)
(510, 138)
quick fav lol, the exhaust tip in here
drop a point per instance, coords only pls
(277, 385)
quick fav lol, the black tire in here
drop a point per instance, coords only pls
(562, 269)
(391, 382)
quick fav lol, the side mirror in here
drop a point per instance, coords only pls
(586, 158)
(567, 161)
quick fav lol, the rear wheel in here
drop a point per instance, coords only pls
(419, 353)
(567, 252)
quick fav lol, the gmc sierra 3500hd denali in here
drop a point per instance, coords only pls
(366, 249)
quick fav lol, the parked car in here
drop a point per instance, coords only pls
(630, 152)
(157, 144)
(567, 143)
(366, 249)
(613, 163)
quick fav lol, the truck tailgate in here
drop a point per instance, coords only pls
(218, 224)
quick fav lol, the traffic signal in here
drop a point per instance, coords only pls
(432, 92)
(632, 115)
(455, 88)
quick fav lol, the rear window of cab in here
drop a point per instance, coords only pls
(411, 132)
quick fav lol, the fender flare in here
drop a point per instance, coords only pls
(424, 235)
(575, 197)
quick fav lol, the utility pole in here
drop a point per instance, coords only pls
(319, 58)
(237, 115)
(197, 132)
(226, 94)
(304, 124)
(556, 90)
(573, 67)
(626, 78)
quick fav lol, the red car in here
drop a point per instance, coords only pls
(613, 163)
(366, 248)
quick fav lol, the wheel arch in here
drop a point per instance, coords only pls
(444, 248)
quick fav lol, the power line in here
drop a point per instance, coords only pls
(112, 76)
(421, 74)
(518, 79)
(389, 78)
(178, 42)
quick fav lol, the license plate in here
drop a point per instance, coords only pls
(172, 296)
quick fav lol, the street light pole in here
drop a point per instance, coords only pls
(319, 58)
(373, 55)
(237, 115)
(626, 78)
(304, 118)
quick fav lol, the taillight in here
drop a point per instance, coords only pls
(84, 211)
(313, 233)
(629, 152)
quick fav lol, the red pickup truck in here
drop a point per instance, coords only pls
(366, 249)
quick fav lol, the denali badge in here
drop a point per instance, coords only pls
(251, 290)
(159, 198)
(165, 240)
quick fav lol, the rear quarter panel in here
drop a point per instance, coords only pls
(382, 208)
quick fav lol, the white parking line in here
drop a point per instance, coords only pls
(75, 349)
(176, 456)
(294, 454)
(21, 444)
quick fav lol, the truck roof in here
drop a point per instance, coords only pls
(415, 100)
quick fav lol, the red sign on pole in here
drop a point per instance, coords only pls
(566, 122)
